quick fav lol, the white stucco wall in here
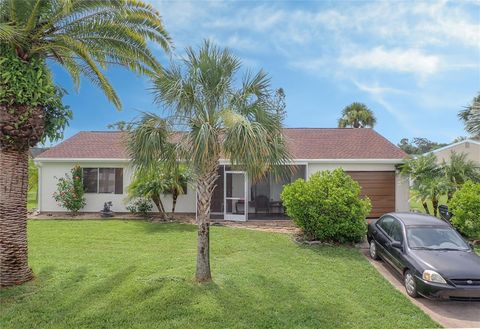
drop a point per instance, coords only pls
(185, 203)
(49, 172)
(402, 193)
(471, 149)
(402, 189)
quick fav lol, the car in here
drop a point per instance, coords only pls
(434, 260)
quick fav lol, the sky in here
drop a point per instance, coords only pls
(415, 64)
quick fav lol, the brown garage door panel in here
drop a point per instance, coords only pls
(379, 186)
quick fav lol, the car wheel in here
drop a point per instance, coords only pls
(373, 250)
(410, 284)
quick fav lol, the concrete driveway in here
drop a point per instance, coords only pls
(446, 313)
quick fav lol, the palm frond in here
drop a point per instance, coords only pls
(85, 36)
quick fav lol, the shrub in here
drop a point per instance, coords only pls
(70, 194)
(465, 207)
(328, 206)
(140, 206)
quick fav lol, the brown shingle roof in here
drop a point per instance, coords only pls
(90, 145)
(304, 143)
(340, 143)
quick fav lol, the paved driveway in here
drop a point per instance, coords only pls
(446, 313)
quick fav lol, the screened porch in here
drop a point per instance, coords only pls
(237, 197)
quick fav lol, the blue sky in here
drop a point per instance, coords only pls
(415, 64)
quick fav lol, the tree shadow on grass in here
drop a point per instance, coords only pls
(169, 227)
(131, 298)
(124, 300)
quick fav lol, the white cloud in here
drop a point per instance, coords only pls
(377, 89)
(400, 60)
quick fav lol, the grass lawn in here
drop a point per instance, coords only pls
(136, 274)
(31, 199)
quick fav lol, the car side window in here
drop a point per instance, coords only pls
(396, 232)
(386, 224)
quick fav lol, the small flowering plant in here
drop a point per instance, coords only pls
(70, 193)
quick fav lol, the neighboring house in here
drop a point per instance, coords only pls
(471, 147)
(367, 156)
(36, 151)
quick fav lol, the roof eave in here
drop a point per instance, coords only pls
(226, 161)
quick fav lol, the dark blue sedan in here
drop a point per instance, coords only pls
(434, 260)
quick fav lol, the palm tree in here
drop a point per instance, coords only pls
(427, 179)
(458, 170)
(154, 182)
(149, 184)
(471, 116)
(220, 117)
(357, 115)
(177, 179)
(85, 37)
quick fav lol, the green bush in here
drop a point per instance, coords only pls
(140, 206)
(70, 193)
(465, 207)
(328, 206)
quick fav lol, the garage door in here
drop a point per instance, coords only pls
(379, 186)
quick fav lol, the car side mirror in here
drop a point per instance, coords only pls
(397, 244)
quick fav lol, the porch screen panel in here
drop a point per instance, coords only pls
(217, 197)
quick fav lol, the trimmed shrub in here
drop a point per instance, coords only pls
(140, 206)
(328, 206)
(465, 207)
(70, 193)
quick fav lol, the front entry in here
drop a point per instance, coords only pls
(235, 195)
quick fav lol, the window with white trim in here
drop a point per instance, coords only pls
(103, 180)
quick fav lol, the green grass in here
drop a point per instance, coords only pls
(32, 199)
(136, 274)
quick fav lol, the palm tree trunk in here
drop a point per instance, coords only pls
(174, 199)
(158, 202)
(435, 206)
(13, 217)
(425, 206)
(205, 187)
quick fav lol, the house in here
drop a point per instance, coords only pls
(363, 153)
(471, 147)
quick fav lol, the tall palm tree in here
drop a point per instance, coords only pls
(85, 37)
(357, 115)
(471, 116)
(220, 117)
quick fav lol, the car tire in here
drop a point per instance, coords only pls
(410, 284)
(373, 250)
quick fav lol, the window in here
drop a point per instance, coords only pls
(103, 180)
(90, 180)
(435, 238)
(386, 224)
(396, 233)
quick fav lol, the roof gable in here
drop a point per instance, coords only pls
(303, 143)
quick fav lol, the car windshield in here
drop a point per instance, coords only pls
(435, 238)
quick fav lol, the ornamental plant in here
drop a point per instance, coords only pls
(140, 206)
(465, 207)
(328, 207)
(70, 193)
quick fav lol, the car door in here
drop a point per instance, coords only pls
(380, 234)
(396, 254)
